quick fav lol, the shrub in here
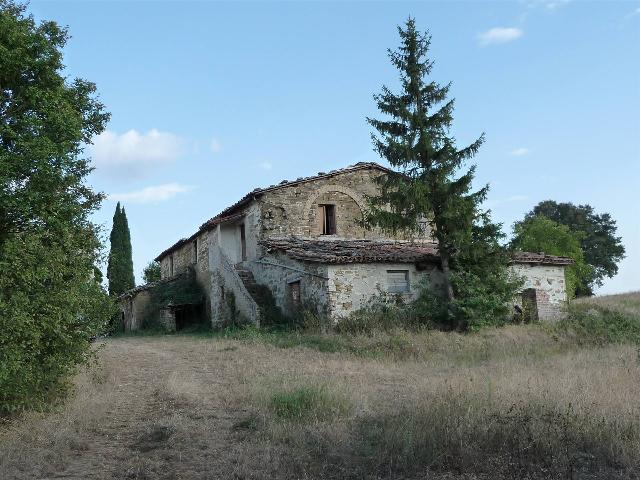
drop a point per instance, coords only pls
(597, 324)
(385, 313)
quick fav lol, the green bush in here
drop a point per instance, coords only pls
(600, 325)
(50, 309)
(385, 313)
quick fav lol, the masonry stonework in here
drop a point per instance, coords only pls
(274, 237)
(548, 281)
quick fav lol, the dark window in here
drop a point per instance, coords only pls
(294, 294)
(328, 215)
(398, 281)
(195, 251)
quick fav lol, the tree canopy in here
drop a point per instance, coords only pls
(151, 272)
(434, 185)
(602, 249)
(50, 301)
(540, 234)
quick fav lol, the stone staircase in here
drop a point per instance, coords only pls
(261, 295)
(249, 281)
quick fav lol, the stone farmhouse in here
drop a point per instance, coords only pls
(302, 239)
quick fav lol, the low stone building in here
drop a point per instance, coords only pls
(304, 241)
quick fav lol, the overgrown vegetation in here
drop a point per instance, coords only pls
(151, 272)
(51, 303)
(601, 322)
(181, 291)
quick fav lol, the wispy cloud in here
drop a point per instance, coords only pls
(634, 13)
(519, 152)
(498, 35)
(215, 146)
(158, 193)
(133, 154)
(266, 165)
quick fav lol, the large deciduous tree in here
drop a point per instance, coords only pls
(602, 249)
(50, 302)
(540, 234)
(120, 266)
(432, 184)
(152, 272)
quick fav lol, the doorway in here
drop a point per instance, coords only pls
(243, 243)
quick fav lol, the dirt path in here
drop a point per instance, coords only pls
(157, 408)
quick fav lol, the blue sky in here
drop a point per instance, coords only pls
(212, 99)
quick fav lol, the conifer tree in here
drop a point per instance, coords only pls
(120, 266)
(431, 182)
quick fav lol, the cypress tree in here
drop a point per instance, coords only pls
(120, 266)
(431, 183)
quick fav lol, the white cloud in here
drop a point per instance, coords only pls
(154, 194)
(132, 153)
(518, 152)
(215, 145)
(498, 35)
(266, 165)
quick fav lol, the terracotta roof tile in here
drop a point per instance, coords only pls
(540, 258)
(352, 251)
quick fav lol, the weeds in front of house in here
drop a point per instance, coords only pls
(446, 430)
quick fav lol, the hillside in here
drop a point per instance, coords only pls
(518, 402)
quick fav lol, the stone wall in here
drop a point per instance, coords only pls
(132, 309)
(291, 210)
(186, 256)
(352, 286)
(277, 271)
(550, 288)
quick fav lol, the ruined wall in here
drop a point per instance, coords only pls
(549, 284)
(186, 256)
(132, 308)
(277, 271)
(292, 210)
(352, 286)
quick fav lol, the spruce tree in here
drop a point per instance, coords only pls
(120, 266)
(432, 184)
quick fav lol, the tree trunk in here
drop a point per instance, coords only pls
(444, 260)
(446, 270)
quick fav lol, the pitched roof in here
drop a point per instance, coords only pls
(352, 251)
(375, 251)
(540, 258)
(227, 213)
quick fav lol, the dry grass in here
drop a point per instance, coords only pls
(628, 303)
(508, 403)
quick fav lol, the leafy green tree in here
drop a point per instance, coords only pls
(540, 234)
(151, 272)
(50, 305)
(602, 249)
(120, 266)
(431, 183)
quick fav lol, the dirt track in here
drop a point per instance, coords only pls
(156, 408)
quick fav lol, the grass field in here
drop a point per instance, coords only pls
(517, 402)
